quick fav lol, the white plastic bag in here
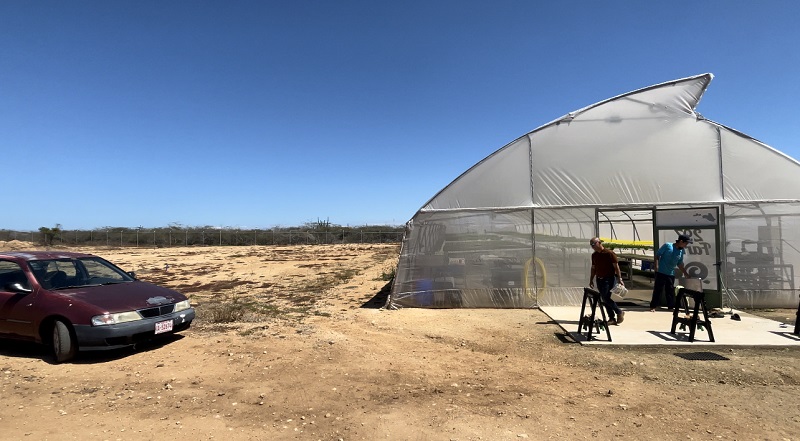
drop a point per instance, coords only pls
(618, 292)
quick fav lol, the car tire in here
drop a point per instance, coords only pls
(64, 344)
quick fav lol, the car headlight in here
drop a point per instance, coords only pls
(112, 319)
(180, 306)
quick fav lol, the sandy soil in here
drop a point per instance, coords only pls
(310, 355)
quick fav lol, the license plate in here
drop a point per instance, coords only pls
(164, 326)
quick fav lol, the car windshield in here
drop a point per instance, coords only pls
(71, 273)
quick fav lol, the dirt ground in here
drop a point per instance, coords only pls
(291, 343)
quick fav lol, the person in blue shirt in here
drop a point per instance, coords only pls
(666, 259)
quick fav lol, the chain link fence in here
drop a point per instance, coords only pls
(171, 237)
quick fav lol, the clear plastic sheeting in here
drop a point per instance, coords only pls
(762, 254)
(513, 230)
(494, 259)
(474, 260)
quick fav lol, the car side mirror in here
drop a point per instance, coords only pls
(17, 287)
(132, 274)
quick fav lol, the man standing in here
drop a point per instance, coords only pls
(666, 259)
(606, 268)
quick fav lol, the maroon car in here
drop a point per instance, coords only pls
(76, 301)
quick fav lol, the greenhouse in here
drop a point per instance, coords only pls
(636, 170)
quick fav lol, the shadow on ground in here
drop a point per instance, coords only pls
(21, 349)
(378, 301)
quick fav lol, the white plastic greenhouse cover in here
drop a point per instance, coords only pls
(647, 148)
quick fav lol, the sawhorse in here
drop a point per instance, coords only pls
(693, 320)
(588, 321)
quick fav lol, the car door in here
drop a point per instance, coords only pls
(15, 307)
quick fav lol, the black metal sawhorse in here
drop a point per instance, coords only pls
(693, 320)
(589, 322)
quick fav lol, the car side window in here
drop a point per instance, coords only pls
(10, 273)
(55, 273)
(98, 271)
(67, 266)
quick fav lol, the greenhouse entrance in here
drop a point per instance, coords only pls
(631, 233)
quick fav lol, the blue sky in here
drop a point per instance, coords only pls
(257, 114)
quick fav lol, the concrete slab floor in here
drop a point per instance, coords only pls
(645, 328)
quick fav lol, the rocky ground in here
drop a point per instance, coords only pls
(292, 343)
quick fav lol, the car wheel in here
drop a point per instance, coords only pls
(64, 344)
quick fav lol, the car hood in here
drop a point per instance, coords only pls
(125, 296)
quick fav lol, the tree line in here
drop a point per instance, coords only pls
(320, 232)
